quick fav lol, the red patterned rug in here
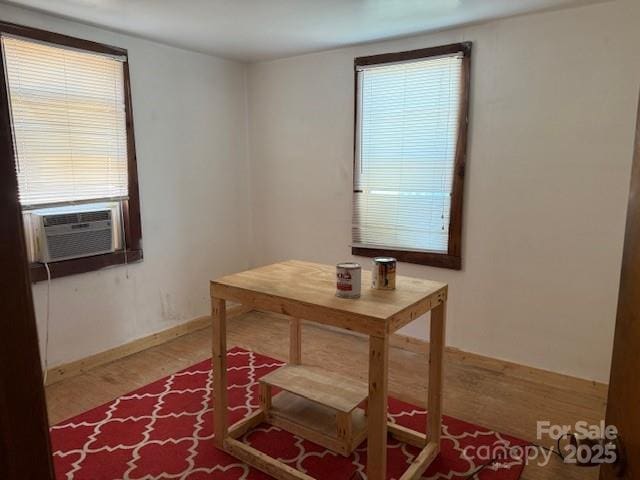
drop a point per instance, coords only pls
(164, 431)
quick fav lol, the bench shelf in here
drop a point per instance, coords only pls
(317, 405)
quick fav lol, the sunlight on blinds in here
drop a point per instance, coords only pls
(405, 153)
(69, 127)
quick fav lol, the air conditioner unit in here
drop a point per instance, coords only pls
(74, 231)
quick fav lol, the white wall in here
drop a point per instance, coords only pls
(552, 117)
(554, 97)
(190, 126)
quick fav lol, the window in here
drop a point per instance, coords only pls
(410, 143)
(71, 123)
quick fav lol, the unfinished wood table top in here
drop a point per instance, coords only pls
(307, 290)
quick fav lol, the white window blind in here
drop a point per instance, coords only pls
(69, 126)
(407, 131)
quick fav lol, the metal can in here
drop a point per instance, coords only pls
(348, 277)
(383, 276)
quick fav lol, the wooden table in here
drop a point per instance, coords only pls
(306, 291)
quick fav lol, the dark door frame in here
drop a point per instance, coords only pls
(25, 451)
(624, 384)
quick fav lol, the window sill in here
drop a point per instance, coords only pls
(82, 265)
(439, 260)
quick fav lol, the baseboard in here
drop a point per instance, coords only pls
(516, 370)
(403, 342)
(419, 346)
(67, 370)
(411, 344)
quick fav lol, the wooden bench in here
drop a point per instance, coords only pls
(320, 406)
(307, 290)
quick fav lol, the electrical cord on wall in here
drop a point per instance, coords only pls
(48, 312)
(46, 327)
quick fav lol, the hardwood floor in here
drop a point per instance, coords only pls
(504, 397)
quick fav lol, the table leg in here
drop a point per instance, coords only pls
(377, 408)
(295, 341)
(344, 424)
(436, 371)
(265, 397)
(219, 364)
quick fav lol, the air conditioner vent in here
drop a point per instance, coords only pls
(78, 244)
(63, 219)
(94, 216)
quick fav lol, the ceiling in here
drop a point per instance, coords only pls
(253, 30)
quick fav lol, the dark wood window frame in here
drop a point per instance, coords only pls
(453, 258)
(131, 207)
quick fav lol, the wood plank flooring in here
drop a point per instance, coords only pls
(500, 396)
